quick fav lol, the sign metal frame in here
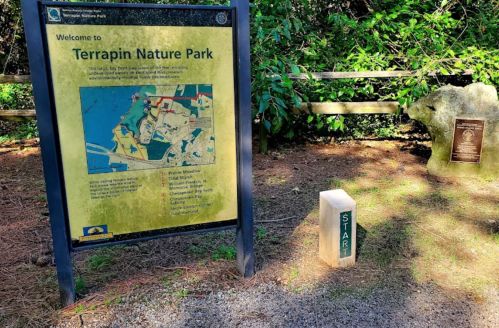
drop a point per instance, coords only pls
(50, 143)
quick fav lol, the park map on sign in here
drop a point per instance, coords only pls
(147, 127)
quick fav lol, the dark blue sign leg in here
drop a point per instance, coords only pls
(48, 143)
(245, 251)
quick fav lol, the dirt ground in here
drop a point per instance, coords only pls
(413, 230)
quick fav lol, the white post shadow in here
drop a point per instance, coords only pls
(337, 228)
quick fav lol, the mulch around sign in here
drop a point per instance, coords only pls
(287, 182)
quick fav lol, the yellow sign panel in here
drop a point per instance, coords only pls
(146, 123)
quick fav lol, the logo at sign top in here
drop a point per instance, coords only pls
(221, 18)
(54, 14)
(468, 135)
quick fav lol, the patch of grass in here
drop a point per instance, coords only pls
(41, 198)
(166, 279)
(334, 183)
(49, 277)
(79, 285)
(99, 261)
(494, 238)
(183, 292)
(434, 200)
(119, 247)
(364, 190)
(486, 179)
(79, 308)
(386, 180)
(386, 242)
(206, 244)
(198, 251)
(224, 253)
(275, 180)
(261, 231)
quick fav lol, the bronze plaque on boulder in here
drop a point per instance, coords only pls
(467, 142)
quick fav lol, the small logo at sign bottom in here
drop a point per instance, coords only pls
(95, 233)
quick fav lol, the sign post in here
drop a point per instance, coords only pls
(145, 126)
(245, 253)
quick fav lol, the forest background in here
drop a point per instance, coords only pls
(303, 36)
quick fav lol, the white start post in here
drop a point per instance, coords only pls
(337, 228)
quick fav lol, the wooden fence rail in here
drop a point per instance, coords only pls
(18, 115)
(367, 107)
(364, 107)
(371, 74)
(15, 79)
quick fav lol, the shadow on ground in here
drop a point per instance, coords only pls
(426, 252)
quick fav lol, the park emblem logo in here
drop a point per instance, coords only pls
(468, 135)
(221, 18)
(54, 14)
(95, 233)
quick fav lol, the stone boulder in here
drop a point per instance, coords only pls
(439, 110)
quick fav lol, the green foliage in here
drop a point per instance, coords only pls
(224, 253)
(99, 261)
(26, 130)
(16, 96)
(13, 53)
(183, 292)
(261, 231)
(428, 36)
(79, 308)
(302, 36)
(80, 285)
(358, 126)
(275, 29)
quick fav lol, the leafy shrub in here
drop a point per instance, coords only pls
(21, 131)
(224, 253)
(16, 96)
(430, 36)
(99, 261)
(80, 285)
(302, 36)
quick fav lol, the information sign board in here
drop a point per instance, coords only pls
(145, 107)
(145, 124)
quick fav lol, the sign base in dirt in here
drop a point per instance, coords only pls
(337, 228)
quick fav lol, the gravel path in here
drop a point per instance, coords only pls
(269, 305)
